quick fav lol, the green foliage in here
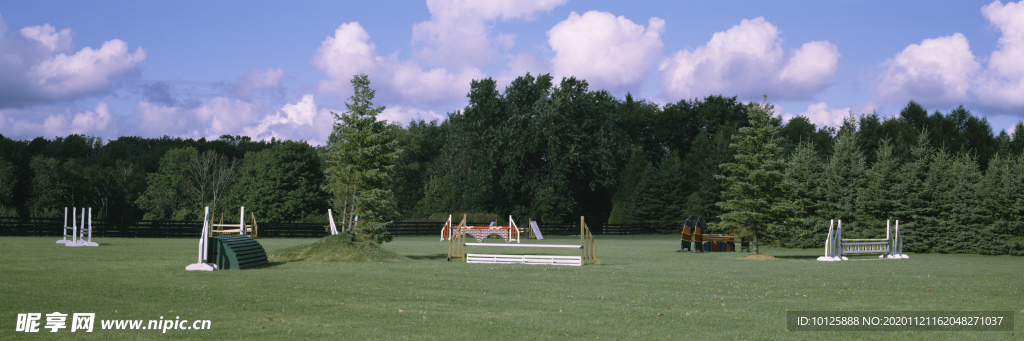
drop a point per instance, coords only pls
(52, 187)
(7, 184)
(545, 152)
(700, 168)
(282, 183)
(804, 177)
(420, 143)
(754, 191)
(660, 195)
(844, 174)
(164, 197)
(626, 193)
(361, 157)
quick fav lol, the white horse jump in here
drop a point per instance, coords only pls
(524, 259)
(587, 247)
(81, 233)
(837, 248)
(203, 264)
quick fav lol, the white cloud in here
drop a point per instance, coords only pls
(211, 119)
(350, 52)
(38, 65)
(27, 125)
(402, 115)
(458, 33)
(748, 60)
(267, 82)
(1002, 86)
(48, 37)
(519, 65)
(222, 116)
(609, 52)
(821, 115)
(299, 121)
(939, 71)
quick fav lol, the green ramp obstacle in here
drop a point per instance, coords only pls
(234, 252)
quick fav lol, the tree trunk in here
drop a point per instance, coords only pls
(753, 242)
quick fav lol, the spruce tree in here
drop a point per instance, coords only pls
(361, 158)
(880, 193)
(843, 178)
(624, 200)
(755, 193)
(804, 177)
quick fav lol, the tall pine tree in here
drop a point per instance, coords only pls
(361, 158)
(755, 193)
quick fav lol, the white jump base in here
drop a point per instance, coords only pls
(524, 259)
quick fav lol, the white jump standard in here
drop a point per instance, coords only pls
(203, 264)
(67, 228)
(81, 233)
(837, 248)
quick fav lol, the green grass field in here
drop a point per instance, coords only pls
(642, 290)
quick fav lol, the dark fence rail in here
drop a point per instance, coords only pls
(190, 229)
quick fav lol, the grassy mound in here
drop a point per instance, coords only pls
(343, 247)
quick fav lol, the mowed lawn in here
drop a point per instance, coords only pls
(643, 290)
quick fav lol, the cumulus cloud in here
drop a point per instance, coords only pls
(822, 115)
(1002, 85)
(299, 121)
(458, 33)
(28, 124)
(944, 72)
(748, 60)
(609, 52)
(350, 52)
(520, 64)
(267, 82)
(938, 71)
(220, 115)
(38, 64)
(401, 115)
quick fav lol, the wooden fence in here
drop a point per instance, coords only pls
(190, 229)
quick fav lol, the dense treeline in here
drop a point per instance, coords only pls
(554, 151)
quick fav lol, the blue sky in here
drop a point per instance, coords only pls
(277, 69)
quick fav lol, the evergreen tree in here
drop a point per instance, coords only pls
(804, 178)
(843, 178)
(701, 187)
(361, 159)
(879, 195)
(913, 206)
(625, 198)
(663, 196)
(755, 194)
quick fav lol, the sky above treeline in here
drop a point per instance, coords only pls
(278, 68)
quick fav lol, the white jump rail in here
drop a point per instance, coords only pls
(524, 259)
(587, 247)
(553, 246)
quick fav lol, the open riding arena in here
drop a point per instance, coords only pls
(641, 290)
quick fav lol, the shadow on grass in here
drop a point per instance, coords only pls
(277, 263)
(428, 257)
